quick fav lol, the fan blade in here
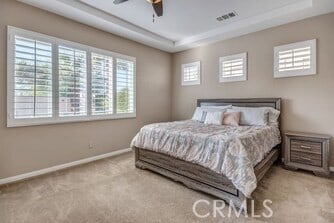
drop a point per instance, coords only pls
(158, 8)
(116, 2)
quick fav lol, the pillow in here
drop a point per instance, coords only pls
(214, 117)
(217, 107)
(273, 115)
(199, 115)
(200, 112)
(231, 118)
(251, 116)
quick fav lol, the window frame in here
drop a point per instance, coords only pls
(55, 119)
(302, 72)
(244, 77)
(192, 64)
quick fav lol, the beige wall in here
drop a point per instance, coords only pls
(30, 148)
(308, 102)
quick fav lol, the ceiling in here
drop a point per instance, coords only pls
(185, 23)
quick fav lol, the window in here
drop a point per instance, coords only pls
(102, 84)
(233, 68)
(32, 78)
(191, 73)
(295, 59)
(72, 71)
(52, 81)
(125, 86)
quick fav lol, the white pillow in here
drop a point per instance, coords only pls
(252, 116)
(200, 112)
(198, 115)
(217, 107)
(214, 117)
(273, 115)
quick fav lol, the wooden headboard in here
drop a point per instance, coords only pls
(242, 102)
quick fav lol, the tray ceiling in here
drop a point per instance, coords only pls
(185, 23)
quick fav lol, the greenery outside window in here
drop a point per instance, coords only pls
(51, 80)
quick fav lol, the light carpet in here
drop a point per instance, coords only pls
(113, 190)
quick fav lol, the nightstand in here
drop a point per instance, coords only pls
(307, 151)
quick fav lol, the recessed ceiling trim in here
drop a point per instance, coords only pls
(92, 16)
(247, 25)
(83, 13)
(118, 21)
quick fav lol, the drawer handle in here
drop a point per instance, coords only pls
(306, 147)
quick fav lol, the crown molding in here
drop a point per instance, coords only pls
(99, 19)
(248, 25)
(92, 16)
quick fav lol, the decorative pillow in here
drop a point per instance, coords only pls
(200, 112)
(231, 118)
(251, 116)
(273, 115)
(214, 117)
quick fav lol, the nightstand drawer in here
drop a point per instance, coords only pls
(306, 158)
(305, 146)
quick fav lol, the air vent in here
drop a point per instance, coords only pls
(227, 16)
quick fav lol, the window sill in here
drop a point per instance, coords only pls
(64, 120)
(233, 79)
(191, 83)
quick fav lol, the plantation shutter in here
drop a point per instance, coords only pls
(72, 66)
(190, 73)
(295, 59)
(32, 78)
(51, 80)
(233, 68)
(125, 86)
(102, 84)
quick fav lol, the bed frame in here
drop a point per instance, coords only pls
(201, 178)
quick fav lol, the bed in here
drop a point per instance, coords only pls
(212, 176)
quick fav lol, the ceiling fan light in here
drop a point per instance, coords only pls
(154, 1)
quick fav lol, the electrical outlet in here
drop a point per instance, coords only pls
(90, 145)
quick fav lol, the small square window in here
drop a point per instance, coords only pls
(296, 59)
(233, 68)
(191, 73)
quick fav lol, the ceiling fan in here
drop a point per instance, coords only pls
(156, 4)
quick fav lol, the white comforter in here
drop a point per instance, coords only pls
(232, 151)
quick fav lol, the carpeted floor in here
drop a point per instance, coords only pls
(113, 190)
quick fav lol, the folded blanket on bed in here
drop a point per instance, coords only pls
(228, 150)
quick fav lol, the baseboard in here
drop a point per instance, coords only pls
(60, 167)
(331, 169)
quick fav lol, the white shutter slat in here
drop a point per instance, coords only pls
(72, 64)
(102, 84)
(51, 80)
(233, 68)
(33, 65)
(32, 95)
(124, 86)
(191, 73)
(295, 59)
